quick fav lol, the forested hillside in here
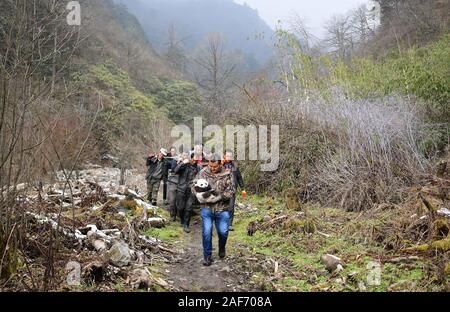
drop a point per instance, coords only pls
(167, 23)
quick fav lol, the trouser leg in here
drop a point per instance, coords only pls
(222, 226)
(164, 190)
(181, 205)
(207, 225)
(149, 190)
(188, 209)
(171, 197)
(155, 190)
(231, 210)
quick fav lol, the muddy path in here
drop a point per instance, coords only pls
(189, 274)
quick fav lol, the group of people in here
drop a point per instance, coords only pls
(180, 176)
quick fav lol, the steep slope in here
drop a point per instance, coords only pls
(242, 27)
(139, 90)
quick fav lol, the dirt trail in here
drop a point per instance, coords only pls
(189, 274)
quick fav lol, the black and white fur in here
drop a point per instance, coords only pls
(205, 193)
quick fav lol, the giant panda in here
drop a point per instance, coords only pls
(205, 193)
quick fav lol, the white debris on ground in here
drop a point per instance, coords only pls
(102, 220)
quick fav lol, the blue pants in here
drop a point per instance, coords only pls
(222, 221)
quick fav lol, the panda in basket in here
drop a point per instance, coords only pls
(205, 193)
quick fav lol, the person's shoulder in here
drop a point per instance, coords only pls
(226, 173)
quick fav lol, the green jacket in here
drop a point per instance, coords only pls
(152, 165)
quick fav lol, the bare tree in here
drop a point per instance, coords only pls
(300, 30)
(362, 26)
(339, 36)
(176, 54)
(215, 70)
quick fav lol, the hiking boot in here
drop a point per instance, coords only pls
(186, 229)
(174, 218)
(207, 261)
(222, 253)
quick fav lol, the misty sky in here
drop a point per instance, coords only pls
(314, 12)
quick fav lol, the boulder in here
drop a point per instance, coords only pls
(156, 222)
(332, 263)
(119, 255)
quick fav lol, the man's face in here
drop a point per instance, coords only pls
(229, 157)
(214, 166)
(160, 156)
(184, 156)
(173, 152)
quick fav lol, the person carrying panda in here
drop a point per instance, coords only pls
(214, 188)
(186, 169)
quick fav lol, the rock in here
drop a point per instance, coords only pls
(226, 269)
(96, 207)
(140, 258)
(241, 206)
(339, 281)
(99, 245)
(352, 276)
(339, 268)
(132, 194)
(332, 263)
(267, 218)
(117, 197)
(402, 286)
(119, 254)
(156, 222)
(121, 190)
(362, 286)
(444, 212)
(140, 279)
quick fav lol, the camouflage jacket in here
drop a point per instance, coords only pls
(222, 183)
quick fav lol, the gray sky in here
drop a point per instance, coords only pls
(313, 12)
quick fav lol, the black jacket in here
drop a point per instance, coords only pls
(152, 164)
(186, 173)
(237, 176)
